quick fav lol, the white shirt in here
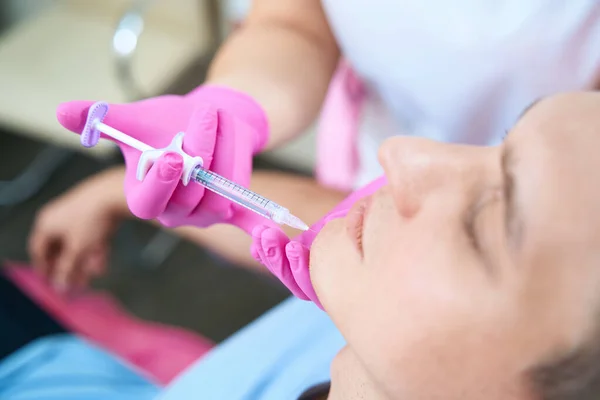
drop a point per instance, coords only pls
(462, 70)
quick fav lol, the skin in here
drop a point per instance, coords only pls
(283, 55)
(431, 312)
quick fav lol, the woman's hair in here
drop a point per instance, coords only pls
(573, 376)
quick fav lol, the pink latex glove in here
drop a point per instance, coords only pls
(224, 127)
(289, 259)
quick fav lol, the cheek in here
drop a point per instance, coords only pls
(426, 260)
(430, 328)
(430, 292)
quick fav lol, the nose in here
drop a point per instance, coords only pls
(417, 167)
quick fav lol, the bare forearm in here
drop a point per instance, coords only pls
(110, 183)
(285, 63)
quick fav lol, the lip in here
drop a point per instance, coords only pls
(355, 222)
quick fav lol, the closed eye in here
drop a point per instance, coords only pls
(487, 199)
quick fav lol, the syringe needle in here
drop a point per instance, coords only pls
(295, 222)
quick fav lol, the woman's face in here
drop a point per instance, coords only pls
(473, 265)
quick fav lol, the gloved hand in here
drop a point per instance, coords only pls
(224, 127)
(289, 259)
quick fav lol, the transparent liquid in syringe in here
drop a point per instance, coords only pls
(238, 194)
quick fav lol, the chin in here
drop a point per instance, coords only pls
(326, 254)
(327, 243)
(339, 361)
(349, 379)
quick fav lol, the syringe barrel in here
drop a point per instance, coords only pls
(238, 194)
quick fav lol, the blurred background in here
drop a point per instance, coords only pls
(120, 51)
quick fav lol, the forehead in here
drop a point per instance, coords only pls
(556, 158)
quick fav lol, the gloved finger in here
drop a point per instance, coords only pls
(199, 140)
(255, 248)
(233, 145)
(271, 250)
(298, 255)
(256, 234)
(73, 115)
(255, 253)
(224, 162)
(249, 220)
(149, 198)
(201, 134)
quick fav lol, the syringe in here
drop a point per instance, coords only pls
(210, 180)
(244, 197)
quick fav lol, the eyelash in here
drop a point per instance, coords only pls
(470, 228)
(476, 210)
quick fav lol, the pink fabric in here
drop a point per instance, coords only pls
(337, 155)
(221, 125)
(160, 351)
(289, 259)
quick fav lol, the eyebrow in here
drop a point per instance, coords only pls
(513, 222)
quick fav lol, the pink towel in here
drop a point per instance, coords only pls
(160, 351)
(337, 155)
